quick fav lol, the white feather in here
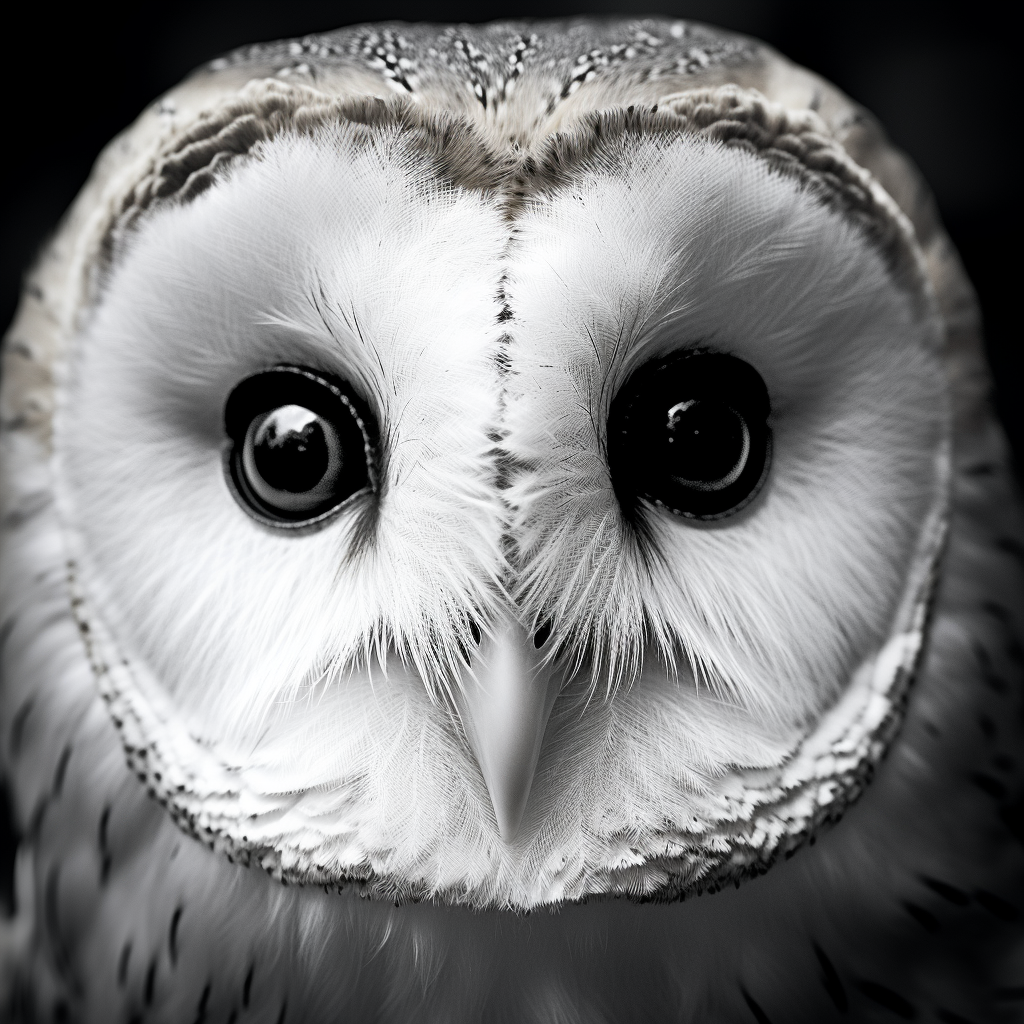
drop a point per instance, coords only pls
(343, 253)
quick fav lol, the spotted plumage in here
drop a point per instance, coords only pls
(363, 660)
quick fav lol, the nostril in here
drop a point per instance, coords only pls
(540, 638)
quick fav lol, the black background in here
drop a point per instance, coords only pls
(942, 80)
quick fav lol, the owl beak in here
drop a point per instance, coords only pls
(505, 704)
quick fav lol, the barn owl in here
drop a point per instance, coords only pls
(504, 523)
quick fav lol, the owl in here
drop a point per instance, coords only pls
(504, 523)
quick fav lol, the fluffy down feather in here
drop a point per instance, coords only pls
(486, 260)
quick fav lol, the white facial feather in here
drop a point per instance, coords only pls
(488, 338)
(676, 243)
(320, 252)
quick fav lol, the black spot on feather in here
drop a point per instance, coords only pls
(9, 839)
(105, 858)
(991, 678)
(38, 813)
(886, 997)
(949, 1017)
(32, 504)
(51, 910)
(830, 979)
(172, 939)
(122, 963)
(927, 920)
(989, 784)
(759, 1015)
(1012, 546)
(6, 628)
(18, 725)
(948, 892)
(201, 1008)
(62, 767)
(995, 682)
(999, 612)
(147, 994)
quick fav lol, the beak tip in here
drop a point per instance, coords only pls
(508, 832)
(509, 819)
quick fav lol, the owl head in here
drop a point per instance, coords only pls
(500, 465)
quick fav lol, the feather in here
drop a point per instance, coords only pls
(486, 255)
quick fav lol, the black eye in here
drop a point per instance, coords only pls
(301, 445)
(690, 433)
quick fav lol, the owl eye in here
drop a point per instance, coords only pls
(301, 446)
(690, 434)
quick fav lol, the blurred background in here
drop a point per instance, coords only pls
(943, 86)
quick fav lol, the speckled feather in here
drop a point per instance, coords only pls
(910, 905)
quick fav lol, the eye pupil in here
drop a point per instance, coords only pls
(290, 449)
(301, 446)
(690, 434)
(710, 444)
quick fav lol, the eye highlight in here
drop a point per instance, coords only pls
(301, 446)
(690, 434)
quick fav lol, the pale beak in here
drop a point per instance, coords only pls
(505, 704)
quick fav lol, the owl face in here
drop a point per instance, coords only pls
(503, 512)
